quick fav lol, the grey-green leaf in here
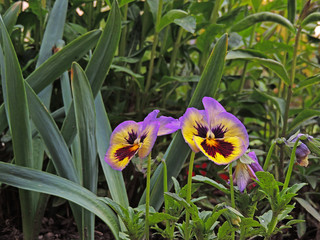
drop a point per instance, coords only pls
(262, 17)
(169, 17)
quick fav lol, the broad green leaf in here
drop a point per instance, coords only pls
(124, 2)
(86, 125)
(35, 180)
(178, 150)
(11, 15)
(211, 182)
(153, 5)
(191, 208)
(20, 127)
(114, 178)
(313, 17)
(169, 17)
(209, 35)
(304, 115)
(265, 219)
(187, 23)
(307, 206)
(275, 66)
(262, 17)
(311, 81)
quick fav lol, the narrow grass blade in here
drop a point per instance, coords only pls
(86, 126)
(35, 180)
(178, 150)
(262, 17)
(18, 116)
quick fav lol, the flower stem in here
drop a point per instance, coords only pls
(292, 159)
(188, 198)
(233, 204)
(148, 197)
(266, 163)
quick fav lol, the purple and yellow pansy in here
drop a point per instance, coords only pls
(219, 135)
(130, 138)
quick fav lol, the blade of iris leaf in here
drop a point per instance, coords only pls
(114, 178)
(18, 116)
(60, 62)
(56, 147)
(86, 125)
(275, 66)
(11, 15)
(178, 150)
(96, 72)
(53, 33)
(262, 17)
(35, 180)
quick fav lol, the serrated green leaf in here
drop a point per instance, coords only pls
(178, 150)
(34, 180)
(262, 17)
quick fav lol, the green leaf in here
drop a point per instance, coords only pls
(311, 81)
(34, 180)
(303, 116)
(292, 6)
(156, 217)
(187, 23)
(86, 126)
(114, 178)
(169, 17)
(265, 219)
(191, 208)
(275, 66)
(211, 182)
(178, 150)
(105, 50)
(60, 62)
(124, 2)
(262, 17)
(313, 17)
(19, 123)
(307, 206)
(11, 15)
(209, 35)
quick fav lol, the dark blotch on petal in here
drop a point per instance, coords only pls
(218, 131)
(124, 152)
(222, 147)
(132, 137)
(202, 130)
(143, 137)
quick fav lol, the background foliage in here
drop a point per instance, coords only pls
(73, 70)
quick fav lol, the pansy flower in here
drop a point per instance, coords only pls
(244, 173)
(130, 138)
(219, 135)
(302, 151)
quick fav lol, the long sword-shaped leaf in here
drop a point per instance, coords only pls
(86, 125)
(60, 62)
(18, 116)
(99, 64)
(35, 180)
(114, 178)
(262, 17)
(178, 150)
(11, 15)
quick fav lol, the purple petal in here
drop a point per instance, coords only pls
(151, 116)
(212, 108)
(168, 125)
(148, 136)
(242, 175)
(256, 167)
